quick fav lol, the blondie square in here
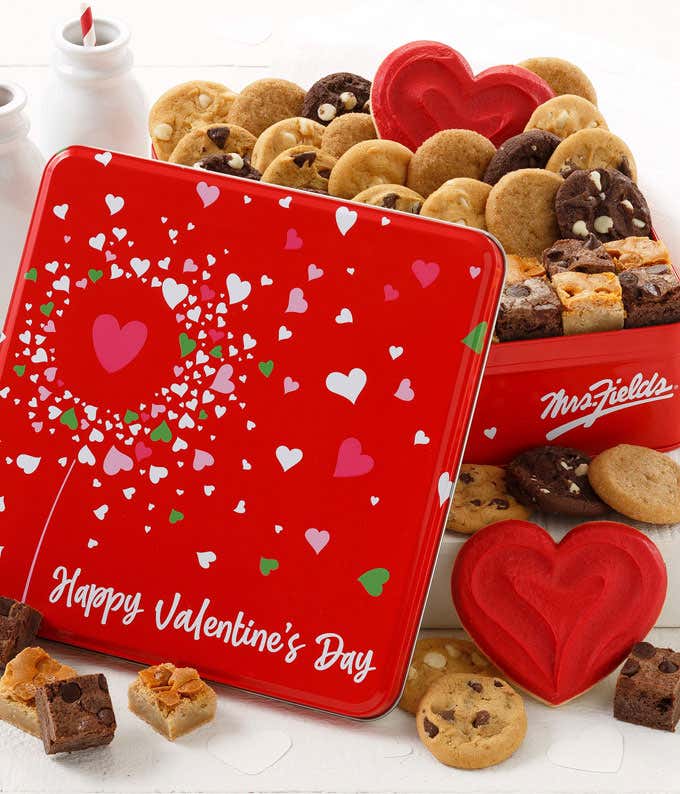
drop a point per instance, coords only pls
(520, 268)
(651, 296)
(173, 700)
(19, 624)
(637, 252)
(590, 302)
(27, 672)
(648, 688)
(529, 310)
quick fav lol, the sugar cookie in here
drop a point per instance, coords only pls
(265, 102)
(562, 76)
(593, 148)
(344, 131)
(367, 164)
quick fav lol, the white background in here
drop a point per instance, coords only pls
(631, 52)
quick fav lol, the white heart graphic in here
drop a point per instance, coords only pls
(238, 290)
(375, 500)
(385, 221)
(92, 543)
(345, 316)
(62, 284)
(101, 512)
(60, 210)
(206, 558)
(395, 351)
(157, 473)
(288, 457)
(348, 386)
(421, 438)
(444, 487)
(27, 463)
(173, 292)
(475, 271)
(114, 203)
(490, 432)
(85, 456)
(97, 242)
(345, 219)
(266, 281)
(140, 266)
(285, 202)
(284, 333)
(103, 157)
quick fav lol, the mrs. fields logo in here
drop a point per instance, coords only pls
(602, 398)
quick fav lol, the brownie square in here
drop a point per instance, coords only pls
(19, 624)
(648, 688)
(75, 714)
(529, 310)
(585, 256)
(651, 296)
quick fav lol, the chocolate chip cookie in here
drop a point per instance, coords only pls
(302, 167)
(602, 202)
(592, 148)
(586, 256)
(555, 480)
(336, 94)
(213, 139)
(391, 197)
(638, 482)
(231, 164)
(461, 201)
(482, 498)
(434, 657)
(344, 131)
(284, 135)
(471, 722)
(530, 149)
(265, 102)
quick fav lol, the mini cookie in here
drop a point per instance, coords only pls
(434, 657)
(265, 102)
(284, 135)
(593, 148)
(183, 107)
(563, 77)
(214, 139)
(520, 211)
(231, 164)
(392, 197)
(461, 201)
(638, 482)
(587, 256)
(367, 164)
(482, 498)
(555, 480)
(447, 155)
(336, 94)
(530, 149)
(521, 268)
(345, 131)
(564, 115)
(302, 167)
(602, 202)
(471, 723)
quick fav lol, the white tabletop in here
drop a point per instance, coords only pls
(630, 50)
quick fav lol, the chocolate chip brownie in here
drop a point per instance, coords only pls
(555, 480)
(336, 94)
(529, 310)
(531, 149)
(585, 256)
(651, 296)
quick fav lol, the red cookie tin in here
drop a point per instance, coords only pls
(232, 414)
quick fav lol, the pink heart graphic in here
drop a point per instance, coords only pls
(157, 409)
(207, 193)
(314, 272)
(223, 383)
(43, 393)
(37, 426)
(190, 266)
(391, 294)
(116, 461)
(84, 424)
(317, 539)
(49, 327)
(425, 272)
(215, 335)
(142, 451)
(180, 317)
(116, 347)
(206, 292)
(145, 416)
(351, 461)
(202, 459)
(405, 392)
(290, 385)
(296, 301)
(50, 374)
(82, 283)
(67, 238)
(177, 370)
(293, 241)
(110, 256)
(475, 271)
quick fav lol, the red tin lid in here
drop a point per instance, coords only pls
(231, 415)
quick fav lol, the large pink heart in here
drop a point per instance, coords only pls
(424, 87)
(116, 347)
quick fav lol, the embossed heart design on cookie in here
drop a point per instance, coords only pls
(424, 87)
(116, 346)
(558, 617)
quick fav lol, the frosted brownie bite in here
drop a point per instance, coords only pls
(590, 302)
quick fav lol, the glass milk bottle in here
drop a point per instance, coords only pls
(92, 97)
(21, 166)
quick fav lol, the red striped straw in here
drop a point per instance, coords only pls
(87, 26)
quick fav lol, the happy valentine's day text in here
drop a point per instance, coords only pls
(105, 602)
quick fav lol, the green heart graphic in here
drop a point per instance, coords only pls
(161, 433)
(19, 369)
(186, 345)
(475, 339)
(69, 419)
(47, 308)
(374, 580)
(266, 367)
(95, 275)
(31, 275)
(175, 516)
(130, 417)
(216, 352)
(202, 414)
(268, 565)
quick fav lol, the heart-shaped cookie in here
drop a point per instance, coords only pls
(558, 617)
(424, 87)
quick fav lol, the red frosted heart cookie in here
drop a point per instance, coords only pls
(424, 87)
(558, 617)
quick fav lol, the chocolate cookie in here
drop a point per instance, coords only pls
(531, 149)
(602, 202)
(231, 163)
(336, 94)
(586, 256)
(555, 479)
